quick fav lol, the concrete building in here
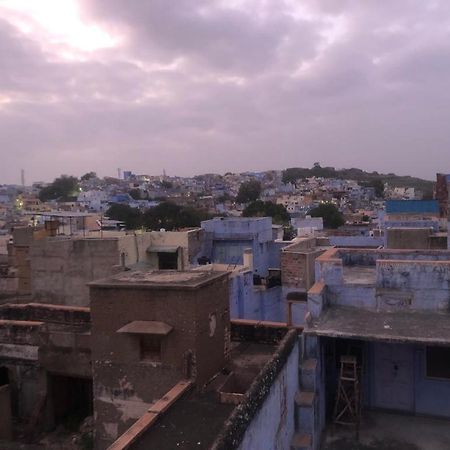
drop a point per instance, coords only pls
(388, 310)
(298, 275)
(231, 236)
(173, 326)
(56, 269)
(45, 365)
(158, 363)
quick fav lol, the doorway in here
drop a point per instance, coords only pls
(393, 377)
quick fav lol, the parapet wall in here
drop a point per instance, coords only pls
(265, 418)
(386, 279)
(61, 268)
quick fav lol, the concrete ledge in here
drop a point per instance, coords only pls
(239, 420)
(149, 418)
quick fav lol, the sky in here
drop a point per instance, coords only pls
(223, 85)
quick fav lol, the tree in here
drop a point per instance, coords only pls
(170, 216)
(249, 191)
(259, 208)
(166, 184)
(378, 185)
(332, 217)
(131, 216)
(135, 194)
(63, 188)
(88, 176)
(289, 233)
(226, 197)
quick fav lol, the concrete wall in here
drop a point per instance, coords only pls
(273, 426)
(60, 268)
(266, 304)
(6, 431)
(297, 268)
(414, 238)
(230, 236)
(411, 222)
(356, 241)
(427, 282)
(124, 384)
(37, 339)
(241, 294)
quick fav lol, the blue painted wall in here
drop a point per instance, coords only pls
(412, 206)
(273, 426)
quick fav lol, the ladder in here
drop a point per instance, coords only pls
(347, 409)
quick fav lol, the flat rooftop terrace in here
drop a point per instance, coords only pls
(159, 279)
(360, 275)
(400, 326)
(209, 417)
(388, 431)
(195, 421)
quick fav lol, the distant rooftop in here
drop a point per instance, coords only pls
(171, 279)
(412, 206)
(398, 326)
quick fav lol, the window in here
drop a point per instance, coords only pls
(168, 261)
(438, 362)
(151, 348)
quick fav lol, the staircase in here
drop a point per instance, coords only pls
(306, 404)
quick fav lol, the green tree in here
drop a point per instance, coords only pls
(88, 176)
(131, 216)
(170, 216)
(332, 217)
(63, 188)
(289, 233)
(135, 194)
(378, 185)
(224, 198)
(259, 208)
(249, 191)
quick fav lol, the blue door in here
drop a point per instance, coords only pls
(393, 377)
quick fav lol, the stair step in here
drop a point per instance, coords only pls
(305, 398)
(301, 441)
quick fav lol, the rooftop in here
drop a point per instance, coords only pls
(366, 275)
(154, 279)
(210, 417)
(196, 419)
(399, 326)
(412, 206)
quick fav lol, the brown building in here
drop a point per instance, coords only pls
(150, 330)
(442, 194)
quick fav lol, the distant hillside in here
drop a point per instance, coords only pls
(291, 175)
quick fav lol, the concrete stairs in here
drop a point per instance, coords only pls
(305, 406)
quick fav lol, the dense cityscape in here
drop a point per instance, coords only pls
(224, 225)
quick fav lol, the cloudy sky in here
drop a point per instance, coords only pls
(195, 86)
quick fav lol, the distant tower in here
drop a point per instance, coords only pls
(164, 173)
(22, 177)
(119, 173)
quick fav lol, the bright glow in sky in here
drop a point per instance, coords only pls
(59, 20)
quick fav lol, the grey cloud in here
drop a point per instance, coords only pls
(375, 97)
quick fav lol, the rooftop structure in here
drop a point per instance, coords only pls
(387, 313)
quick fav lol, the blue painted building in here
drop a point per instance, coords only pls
(231, 236)
(389, 310)
(412, 207)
